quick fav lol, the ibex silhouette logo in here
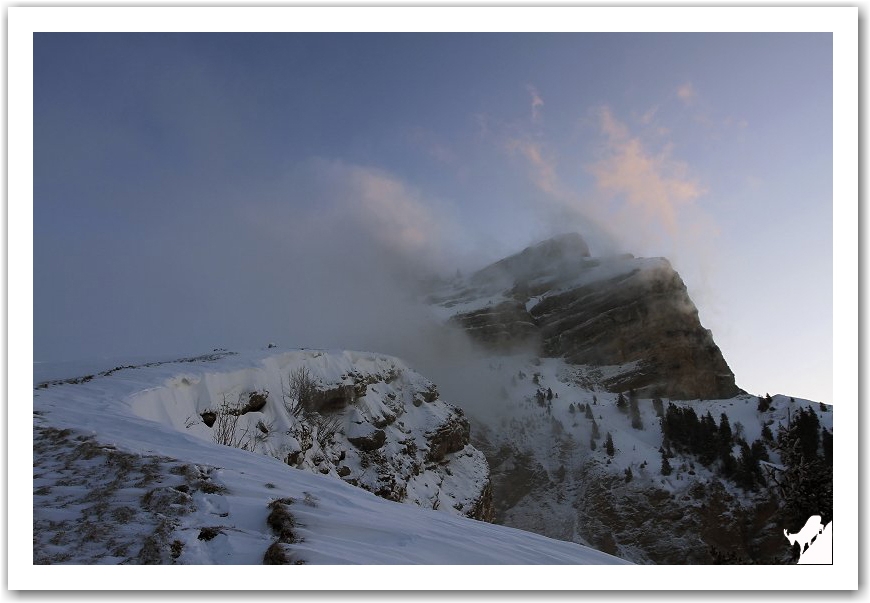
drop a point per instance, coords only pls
(808, 533)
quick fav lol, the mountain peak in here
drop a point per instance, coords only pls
(551, 255)
(563, 244)
(633, 315)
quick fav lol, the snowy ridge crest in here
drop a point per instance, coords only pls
(127, 471)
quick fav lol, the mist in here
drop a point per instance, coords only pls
(194, 192)
(329, 255)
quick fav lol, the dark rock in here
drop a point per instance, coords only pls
(208, 533)
(503, 327)
(256, 402)
(430, 394)
(483, 508)
(382, 421)
(369, 442)
(451, 436)
(209, 418)
(333, 399)
(294, 458)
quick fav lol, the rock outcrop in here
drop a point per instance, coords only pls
(396, 438)
(631, 314)
(364, 418)
(644, 318)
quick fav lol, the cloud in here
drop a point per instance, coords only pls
(543, 167)
(686, 93)
(647, 117)
(369, 213)
(615, 130)
(640, 194)
(394, 214)
(653, 183)
(537, 103)
(560, 208)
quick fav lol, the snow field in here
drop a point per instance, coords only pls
(220, 493)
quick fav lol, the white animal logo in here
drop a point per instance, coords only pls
(808, 533)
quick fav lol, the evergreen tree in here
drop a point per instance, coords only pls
(806, 483)
(823, 407)
(621, 404)
(691, 433)
(628, 475)
(608, 445)
(747, 468)
(595, 433)
(724, 438)
(549, 394)
(589, 413)
(759, 452)
(706, 443)
(766, 434)
(808, 433)
(729, 465)
(828, 447)
(592, 443)
(724, 429)
(666, 465)
(763, 403)
(635, 413)
(571, 408)
(658, 407)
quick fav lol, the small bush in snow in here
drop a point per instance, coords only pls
(300, 391)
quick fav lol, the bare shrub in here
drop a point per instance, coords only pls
(327, 427)
(300, 391)
(263, 432)
(226, 429)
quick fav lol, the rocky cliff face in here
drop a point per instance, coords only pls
(632, 313)
(364, 418)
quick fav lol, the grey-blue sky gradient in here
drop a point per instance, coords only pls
(194, 191)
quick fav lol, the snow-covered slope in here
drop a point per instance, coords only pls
(126, 472)
(546, 439)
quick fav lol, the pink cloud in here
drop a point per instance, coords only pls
(686, 93)
(394, 214)
(654, 184)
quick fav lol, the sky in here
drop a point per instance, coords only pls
(195, 191)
